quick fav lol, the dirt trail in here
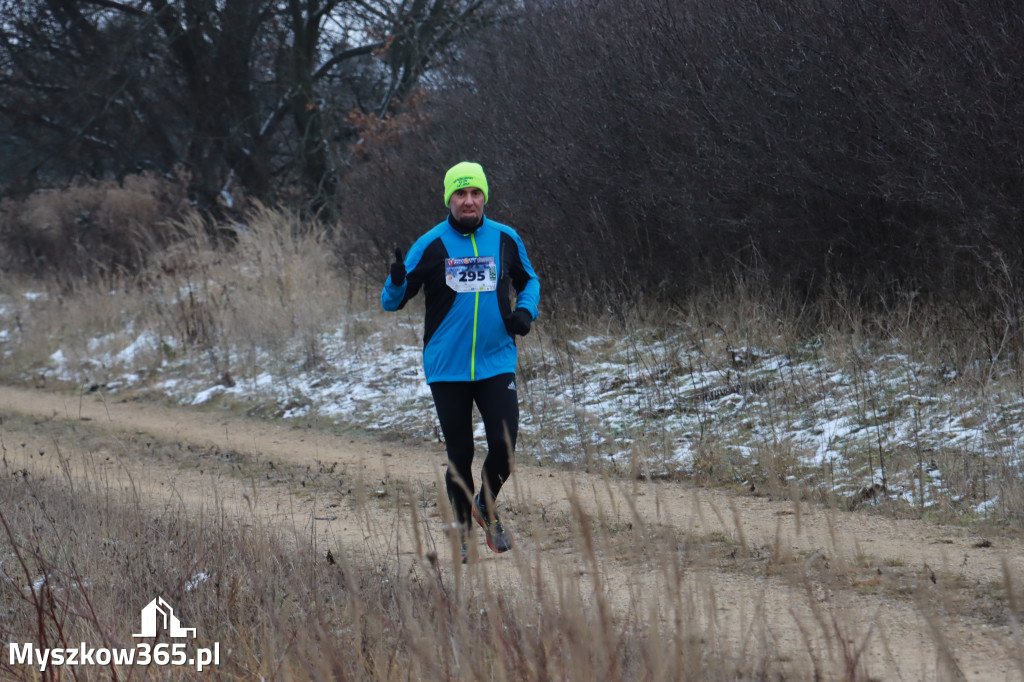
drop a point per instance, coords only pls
(735, 602)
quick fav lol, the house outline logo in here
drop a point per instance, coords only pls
(159, 612)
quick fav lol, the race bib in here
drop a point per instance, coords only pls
(475, 273)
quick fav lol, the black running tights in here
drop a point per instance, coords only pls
(497, 400)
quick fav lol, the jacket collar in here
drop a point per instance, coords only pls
(461, 229)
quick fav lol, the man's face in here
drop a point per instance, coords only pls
(467, 205)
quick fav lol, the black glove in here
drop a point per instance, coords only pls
(398, 269)
(519, 322)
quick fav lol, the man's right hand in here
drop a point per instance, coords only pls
(398, 269)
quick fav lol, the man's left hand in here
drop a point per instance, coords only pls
(519, 322)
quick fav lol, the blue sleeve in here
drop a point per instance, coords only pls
(394, 297)
(529, 296)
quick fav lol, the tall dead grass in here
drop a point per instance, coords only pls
(276, 282)
(261, 309)
(745, 365)
(260, 302)
(78, 568)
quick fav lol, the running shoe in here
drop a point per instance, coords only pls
(498, 539)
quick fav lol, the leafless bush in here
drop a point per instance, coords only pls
(90, 230)
(653, 146)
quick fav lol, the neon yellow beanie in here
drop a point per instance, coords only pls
(465, 174)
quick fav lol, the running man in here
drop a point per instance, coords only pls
(466, 265)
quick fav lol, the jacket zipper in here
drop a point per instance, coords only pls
(476, 312)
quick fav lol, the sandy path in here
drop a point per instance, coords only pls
(743, 604)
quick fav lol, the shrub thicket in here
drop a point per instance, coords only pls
(660, 147)
(655, 146)
(93, 229)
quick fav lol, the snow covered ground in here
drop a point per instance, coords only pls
(657, 402)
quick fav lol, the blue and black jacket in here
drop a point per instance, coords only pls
(464, 335)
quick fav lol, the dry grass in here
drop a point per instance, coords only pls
(927, 406)
(738, 386)
(83, 551)
(91, 229)
(275, 284)
(263, 304)
(77, 568)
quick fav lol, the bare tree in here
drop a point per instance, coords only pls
(256, 90)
